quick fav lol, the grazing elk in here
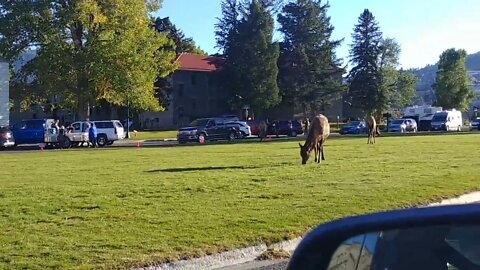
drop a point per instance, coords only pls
(372, 130)
(262, 130)
(317, 135)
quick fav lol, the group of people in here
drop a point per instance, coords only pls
(62, 131)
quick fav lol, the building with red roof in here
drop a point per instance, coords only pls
(196, 93)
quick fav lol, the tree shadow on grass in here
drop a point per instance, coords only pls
(210, 168)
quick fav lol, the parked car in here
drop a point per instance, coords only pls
(290, 128)
(402, 125)
(447, 121)
(207, 129)
(6, 138)
(109, 131)
(253, 124)
(354, 127)
(475, 124)
(243, 127)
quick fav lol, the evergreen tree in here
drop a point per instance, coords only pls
(365, 76)
(250, 72)
(182, 43)
(310, 73)
(453, 84)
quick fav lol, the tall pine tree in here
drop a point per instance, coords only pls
(250, 72)
(309, 70)
(365, 91)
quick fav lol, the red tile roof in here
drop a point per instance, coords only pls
(195, 62)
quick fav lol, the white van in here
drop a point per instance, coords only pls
(447, 121)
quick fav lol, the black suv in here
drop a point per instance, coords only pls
(210, 129)
(291, 128)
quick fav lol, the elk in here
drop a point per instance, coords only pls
(372, 130)
(317, 135)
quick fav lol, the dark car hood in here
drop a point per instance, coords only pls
(188, 128)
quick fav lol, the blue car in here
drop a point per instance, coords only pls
(354, 127)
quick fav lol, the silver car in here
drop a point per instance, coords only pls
(403, 125)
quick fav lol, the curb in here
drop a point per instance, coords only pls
(245, 255)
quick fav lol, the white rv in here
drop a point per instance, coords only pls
(422, 114)
(447, 121)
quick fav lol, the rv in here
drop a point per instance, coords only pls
(447, 121)
(422, 115)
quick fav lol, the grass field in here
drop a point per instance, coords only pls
(154, 135)
(118, 208)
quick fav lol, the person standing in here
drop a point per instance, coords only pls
(92, 134)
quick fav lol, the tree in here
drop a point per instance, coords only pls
(404, 90)
(182, 43)
(250, 71)
(453, 84)
(310, 73)
(364, 78)
(226, 28)
(88, 51)
(397, 87)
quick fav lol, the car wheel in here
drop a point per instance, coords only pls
(415, 130)
(182, 142)
(231, 136)
(293, 133)
(102, 140)
(459, 129)
(66, 143)
(110, 142)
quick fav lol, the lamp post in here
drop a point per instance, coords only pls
(128, 119)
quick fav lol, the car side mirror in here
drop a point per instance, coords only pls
(422, 238)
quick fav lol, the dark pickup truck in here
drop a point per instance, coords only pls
(208, 129)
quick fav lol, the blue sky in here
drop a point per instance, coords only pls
(424, 28)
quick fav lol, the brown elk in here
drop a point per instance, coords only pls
(372, 130)
(317, 135)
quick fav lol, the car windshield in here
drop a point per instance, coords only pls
(439, 117)
(397, 122)
(199, 122)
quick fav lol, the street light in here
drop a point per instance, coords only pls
(128, 119)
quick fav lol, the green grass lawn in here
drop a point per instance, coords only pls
(118, 208)
(154, 135)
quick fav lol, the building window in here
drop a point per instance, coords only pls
(180, 89)
(193, 79)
